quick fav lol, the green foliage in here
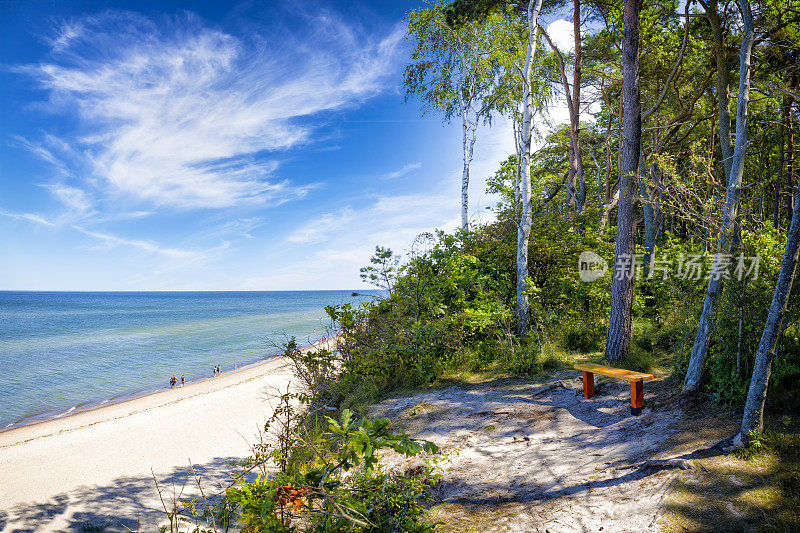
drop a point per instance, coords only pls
(524, 362)
(739, 326)
(582, 337)
(339, 486)
(754, 446)
(639, 360)
(458, 70)
(382, 272)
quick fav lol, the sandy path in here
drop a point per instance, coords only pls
(94, 468)
(525, 458)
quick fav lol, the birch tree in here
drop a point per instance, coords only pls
(526, 135)
(461, 12)
(694, 373)
(753, 419)
(455, 71)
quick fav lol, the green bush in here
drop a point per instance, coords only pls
(639, 360)
(583, 338)
(524, 362)
(339, 486)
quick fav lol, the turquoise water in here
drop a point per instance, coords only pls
(61, 352)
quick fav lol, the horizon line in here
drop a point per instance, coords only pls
(183, 290)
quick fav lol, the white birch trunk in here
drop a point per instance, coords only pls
(524, 226)
(469, 132)
(694, 374)
(753, 418)
(518, 146)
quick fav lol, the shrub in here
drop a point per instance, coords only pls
(339, 486)
(524, 362)
(582, 338)
(639, 360)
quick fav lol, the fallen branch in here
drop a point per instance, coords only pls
(548, 388)
(660, 464)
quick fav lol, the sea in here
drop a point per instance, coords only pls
(65, 352)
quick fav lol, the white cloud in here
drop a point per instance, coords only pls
(111, 241)
(320, 229)
(77, 206)
(561, 31)
(74, 199)
(403, 171)
(182, 115)
(44, 154)
(31, 217)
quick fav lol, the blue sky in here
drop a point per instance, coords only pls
(217, 146)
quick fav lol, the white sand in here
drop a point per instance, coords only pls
(533, 458)
(94, 468)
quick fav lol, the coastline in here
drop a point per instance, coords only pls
(100, 463)
(91, 405)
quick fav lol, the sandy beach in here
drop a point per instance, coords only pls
(96, 468)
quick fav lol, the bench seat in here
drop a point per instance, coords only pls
(636, 380)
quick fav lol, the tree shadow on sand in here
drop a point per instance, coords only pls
(127, 504)
(532, 449)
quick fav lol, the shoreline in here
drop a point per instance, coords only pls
(100, 466)
(125, 397)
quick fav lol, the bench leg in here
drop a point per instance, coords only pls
(588, 384)
(637, 397)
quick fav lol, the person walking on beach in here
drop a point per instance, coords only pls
(172, 381)
(183, 381)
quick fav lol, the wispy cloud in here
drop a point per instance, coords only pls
(76, 200)
(403, 171)
(175, 113)
(31, 217)
(321, 227)
(342, 241)
(77, 206)
(44, 153)
(111, 241)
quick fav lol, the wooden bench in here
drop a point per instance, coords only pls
(636, 379)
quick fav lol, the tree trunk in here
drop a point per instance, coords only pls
(753, 418)
(575, 112)
(694, 374)
(606, 211)
(518, 145)
(574, 203)
(648, 215)
(468, 145)
(723, 75)
(571, 203)
(611, 201)
(524, 226)
(776, 216)
(790, 161)
(619, 327)
(607, 192)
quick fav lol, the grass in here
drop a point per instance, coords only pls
(458, 518)
(756, 489)
(753, 490)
